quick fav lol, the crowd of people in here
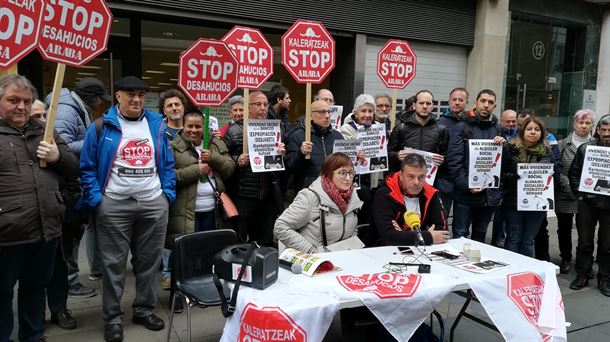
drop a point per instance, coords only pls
(146, 178)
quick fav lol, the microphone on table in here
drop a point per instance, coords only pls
(413, 220)
(294, 268)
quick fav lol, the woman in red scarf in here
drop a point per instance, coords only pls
(330, 201)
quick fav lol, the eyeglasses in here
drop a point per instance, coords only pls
(323, 111)
(346, 174)
(260, 104)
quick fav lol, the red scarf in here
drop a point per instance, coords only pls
(340, 197)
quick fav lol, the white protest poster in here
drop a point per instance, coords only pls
(595, 176)
(485, 163)
(213, 123)
(349, 147)
(336, 113)
(264, 137)
(432, 168)
(373, 143)
(535, 187)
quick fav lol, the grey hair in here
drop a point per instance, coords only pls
(584, 114)
(361, 100)
(383, 95)
(236, 99)
(19, 81)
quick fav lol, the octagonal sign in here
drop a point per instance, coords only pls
(208, 72)
(269, 323)
(396, 63)
(19, 26)
(308, 51)
(74, 32)
(383, 285)
(254, 54)
(525, 290)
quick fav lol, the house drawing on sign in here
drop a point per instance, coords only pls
(246, 39)
(211, 52)
(399, 49)
(310, 33)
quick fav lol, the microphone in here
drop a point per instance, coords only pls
(294, 268)
(413, 220)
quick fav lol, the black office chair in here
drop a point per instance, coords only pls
(192, 270)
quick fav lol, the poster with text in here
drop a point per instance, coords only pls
(374, 144)
(336, 113)
(595, 176)
(264, 138)
(485, 163)
(535, 187)
(432, 168)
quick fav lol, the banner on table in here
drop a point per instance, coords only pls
(374, 144)
(432, 167)
(264, 138)
(535, 190)
(485, 162)
(595, 176)
(336, 113)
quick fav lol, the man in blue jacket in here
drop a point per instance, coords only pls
(128, 180)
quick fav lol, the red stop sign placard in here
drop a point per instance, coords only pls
(383, 285)
(208, 72)
(73, 32)
(268, 324)
(308, 51)
(396, 63)
(19, 26)
(254, 54)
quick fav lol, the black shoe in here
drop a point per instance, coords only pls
(579, 283)
(64, 319)
(604, 286)
(113, 333)
(150, 322)
(179, 306)
(564, 267)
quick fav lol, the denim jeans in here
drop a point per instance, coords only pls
(521, 230)
(464, 215)
(32, 265)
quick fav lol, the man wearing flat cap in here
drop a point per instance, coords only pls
(128, 181)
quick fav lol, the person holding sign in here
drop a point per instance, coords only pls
(529, 147)
(593, 209)
(324, 213)
(404, 191)
(323, 137)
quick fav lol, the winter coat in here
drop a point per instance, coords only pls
(182, 213)
(389, 205)
(596, 201)
(408, 132)
(98, 154)
(509, 177)
(31, 204)
(305, 171)
(71, 111)
(299, 226)
(565, 200)
(458, 159)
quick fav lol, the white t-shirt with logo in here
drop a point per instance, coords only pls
(134, 171)
(205, 200)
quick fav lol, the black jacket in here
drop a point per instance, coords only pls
(430, 137)
(305, 171)
(597, 201)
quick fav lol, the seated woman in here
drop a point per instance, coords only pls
(332, 194)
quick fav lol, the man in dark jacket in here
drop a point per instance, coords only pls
(404, 191)
(31, 208)
(258, 196)
(323, 137)
(593, 209)
(474, 206)
(417, 129)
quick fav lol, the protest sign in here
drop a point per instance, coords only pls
(535, 187)
(432, 168)
(264, 137)
(595, 176)
(336, 113)
(373, 143)
(485, 163)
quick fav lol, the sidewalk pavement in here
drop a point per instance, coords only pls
(587, 310)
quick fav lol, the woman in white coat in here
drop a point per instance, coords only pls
(330, 200)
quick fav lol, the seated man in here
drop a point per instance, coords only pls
(407, 190)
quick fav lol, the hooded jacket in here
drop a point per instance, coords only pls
(389, 205)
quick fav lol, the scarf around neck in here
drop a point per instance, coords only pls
(340, 197)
